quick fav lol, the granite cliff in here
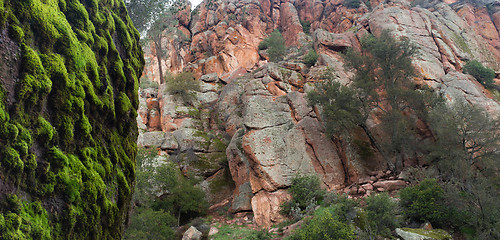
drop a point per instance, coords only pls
(259, 107)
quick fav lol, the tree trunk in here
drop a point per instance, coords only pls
(377, 146)
(341, 151)
(159, 54)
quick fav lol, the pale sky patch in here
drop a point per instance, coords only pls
(195, 3)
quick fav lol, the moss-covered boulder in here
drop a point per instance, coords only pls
(68, 97)
(423, 234)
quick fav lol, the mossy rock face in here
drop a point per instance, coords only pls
(421, 234)
(68, 99)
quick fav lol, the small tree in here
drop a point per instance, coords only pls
(340, 107)
(382, 78)
(425, 202)
(181, 197)
(306, 26)
(148, 224)
(183, 86)
(481, 73)
(467, 154)
(275, 45)
(381, 214)
(306, 193)
(324, 226)
(311, 58)
(352, 3)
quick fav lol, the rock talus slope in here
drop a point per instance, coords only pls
(261, 109)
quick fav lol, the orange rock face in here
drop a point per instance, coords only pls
(267, 205)
(484, 25)
(274, 133)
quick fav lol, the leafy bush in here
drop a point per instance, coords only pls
(181, 197)
(326, 224)
(306, 26)
(306, 188)
(352, 3)
(145, 84)
(306, 192)
(163, 198)
(182, 86)
(311, 58)
(483, 74)
(275, 45)
(381, 212)
(425, 202)
(230, 232)
(147, 223)
(340, 107)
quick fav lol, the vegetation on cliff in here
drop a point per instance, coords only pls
(464, 146)
(67, 118)
(162, 192)
(275, 46)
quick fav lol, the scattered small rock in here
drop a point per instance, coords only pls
(213, 231)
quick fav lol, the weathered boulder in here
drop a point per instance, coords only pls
(213, 230)
(192, 234)
(151, 139)
(422, 234)
(334, 41)
(266, 207)
(390, 185)
(242, 200)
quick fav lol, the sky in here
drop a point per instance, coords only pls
(195, 3)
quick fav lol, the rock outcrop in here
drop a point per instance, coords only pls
(68, 100)
(261, 107)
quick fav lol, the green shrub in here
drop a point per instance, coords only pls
(311, 58)
(306, 26)
(352, 3)
(146, 223)
(326, 224)
(425, 202)
(481, 73)
(381, 214)
(145, 84)
(230, 232)
(182, 86)
(275, 45)
(306, 193)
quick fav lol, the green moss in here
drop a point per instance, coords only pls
(45, 130)
(85, 128)
(72, 75)
(35, 83)
(3, 14)
(11, 160)
(460, 41)
(24, 134)
(123, 33)
(56, 70)
(17, 33)
(9, 131)
(124, 103)
(31, 163)
(21, 147)
(57, 158)
(30, 221)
